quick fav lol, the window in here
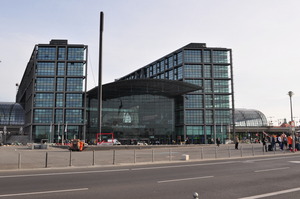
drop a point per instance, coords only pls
(207, 86)
(192, 56)
(74, 116)
(194, 101)
(74, 100)
(42, 116)
(59, 102)
(222, 101)
(197, 82)
(60, 69)
(193, 71)
(75, 53)
(194, 117)
(221, 86)
(179, 58)
(209, 117)
(206, 56)
(208, 101)
(222, 116)
(221, 71)
(207, 71)
(43, 100)
(59, 116)
(220, 56)
(75, 69)
(74, 84)
(60, 84)
(61, 53)
(194, 130)
(44, 84)
(45, 68)
(46, 53)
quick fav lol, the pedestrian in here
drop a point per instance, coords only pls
(273, 142)
(236, 142)
(265, 141)
(279, 139)
(218, 142)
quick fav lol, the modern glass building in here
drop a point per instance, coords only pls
(138, 110)
(52, 91)
(207, 113)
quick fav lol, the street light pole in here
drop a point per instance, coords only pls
(290, 93)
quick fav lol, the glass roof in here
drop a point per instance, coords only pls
(11, 114)
(249, 117)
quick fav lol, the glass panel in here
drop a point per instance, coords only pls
(61, 69)
(45, 68)
(206, 56)
(194, 117)
(61, 53)
(43, 100)
(44, 84)
(46, 53)
(59, 100)
(220, 56)
(193, 71)
(74, 100)
(74, 116)
(75, 53)
(192, 56)
(194, 101)
(74, 84)
(75, 69)
(221, 71)
(42, 116)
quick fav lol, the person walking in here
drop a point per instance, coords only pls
(279, 138)
(236, 142)
(265, 142)
(218, 142)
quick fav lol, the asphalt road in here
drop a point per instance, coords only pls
(245, 178)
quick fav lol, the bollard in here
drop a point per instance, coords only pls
(241, 151)
(19, 161)
(216, 153)
(195, 195)
(252, 150)
(70, 160)
(152, 155)
(134, 156)
(46, 161)
(114, 157)
(93, 164)
(201, 153)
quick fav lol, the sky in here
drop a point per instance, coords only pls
(263, 36)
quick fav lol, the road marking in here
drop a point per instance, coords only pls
(272, 194)
(43, 192)
(67, 173)
(186, 165)
(297, 162)
(275, 169)
(184, 179)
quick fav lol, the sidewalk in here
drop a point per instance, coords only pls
(23, 157)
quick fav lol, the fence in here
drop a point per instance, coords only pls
(26, 159)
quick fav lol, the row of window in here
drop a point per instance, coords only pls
(197, 117)
(49, 69)
(209, 86)
(45, 116)
(209, 130)
(60, 53)
(206, 71)
(48, 100)
(206, 56)
(49, 84)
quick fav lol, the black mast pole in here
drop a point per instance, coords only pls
(100, 76)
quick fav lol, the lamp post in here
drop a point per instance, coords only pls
(290, 93)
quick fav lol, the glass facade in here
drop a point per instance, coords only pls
(58, 73)
(148, 118)
(205, 111)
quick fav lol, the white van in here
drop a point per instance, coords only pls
(114, 141)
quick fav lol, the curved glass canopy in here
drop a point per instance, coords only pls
(11, 114)
(249, 117)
